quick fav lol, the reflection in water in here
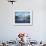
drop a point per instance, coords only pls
(20, 19)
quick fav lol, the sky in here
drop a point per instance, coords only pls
(22, 13)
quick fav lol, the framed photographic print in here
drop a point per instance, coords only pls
(23, 17)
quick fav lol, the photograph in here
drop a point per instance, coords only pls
(23, 17)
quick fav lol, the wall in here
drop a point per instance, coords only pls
(9, 31)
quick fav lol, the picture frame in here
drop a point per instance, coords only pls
(23, 17)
